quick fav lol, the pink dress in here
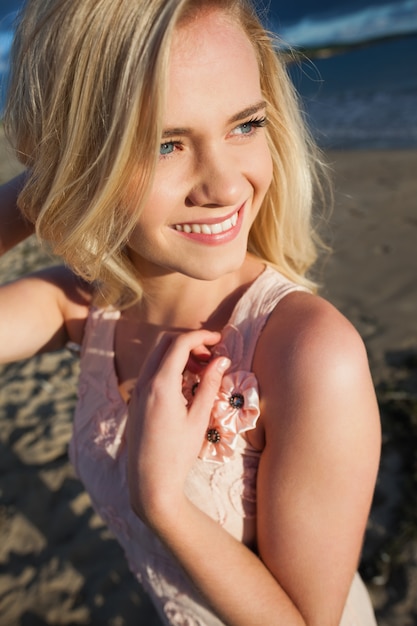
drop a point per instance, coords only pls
(224, 489)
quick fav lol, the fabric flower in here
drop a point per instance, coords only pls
(219, 444)
(107, 430)
(235, 410)
(236, 407)
(178, 615)
(190, 382)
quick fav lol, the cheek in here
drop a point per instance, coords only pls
(163, 198)
(264, 170)
(156, 211)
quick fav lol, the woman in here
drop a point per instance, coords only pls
(226, 427)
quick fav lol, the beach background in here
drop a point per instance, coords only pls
(58, 563)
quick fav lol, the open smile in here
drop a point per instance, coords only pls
(209, 229)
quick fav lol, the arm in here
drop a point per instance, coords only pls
(163, 433)
(14, 228)
(41, 312)
(311, 514)
(318, 470)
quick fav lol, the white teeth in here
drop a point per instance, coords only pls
(209, 229)
(216, 228)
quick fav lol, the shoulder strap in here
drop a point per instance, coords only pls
(251, 313)
(99, 331)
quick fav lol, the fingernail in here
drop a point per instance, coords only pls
(223, 364)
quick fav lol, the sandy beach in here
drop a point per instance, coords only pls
(58, 563)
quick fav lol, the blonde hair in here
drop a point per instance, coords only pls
(84, 114)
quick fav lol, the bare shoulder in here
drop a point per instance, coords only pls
(72, 293)
(41, 312)
(67, 286)
(310, 354)
(307, 337)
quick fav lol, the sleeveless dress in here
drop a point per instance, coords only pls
(222, 487)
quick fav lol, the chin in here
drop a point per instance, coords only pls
(209, 272)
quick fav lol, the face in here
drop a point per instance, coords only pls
(214, 165)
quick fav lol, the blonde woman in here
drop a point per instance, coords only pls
(226, 427)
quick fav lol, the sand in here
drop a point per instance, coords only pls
(59, 564)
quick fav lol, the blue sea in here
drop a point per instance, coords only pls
(357, 67)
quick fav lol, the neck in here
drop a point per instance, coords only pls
(179, 302)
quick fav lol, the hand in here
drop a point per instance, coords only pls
(164, 434)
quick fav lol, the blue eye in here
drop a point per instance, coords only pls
(246, 128)
(166, 148)
(249, 127)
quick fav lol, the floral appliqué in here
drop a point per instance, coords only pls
(235, 410)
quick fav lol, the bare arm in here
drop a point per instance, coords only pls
(316, 475)
(163, 434)
(318, 469)
(41, 312)
(14, 228)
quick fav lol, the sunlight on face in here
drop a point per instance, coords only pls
(214, 165)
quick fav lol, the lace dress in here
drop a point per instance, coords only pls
(222, 481)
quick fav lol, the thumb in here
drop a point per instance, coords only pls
(210, 384)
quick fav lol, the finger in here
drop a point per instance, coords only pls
(178, 353)
(198, 359)
(209, 385)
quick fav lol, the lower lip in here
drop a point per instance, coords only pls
(218, 238)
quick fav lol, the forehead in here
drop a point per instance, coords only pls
(211, 59)
(207, 32)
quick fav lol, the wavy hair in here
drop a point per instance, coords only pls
(84, 113)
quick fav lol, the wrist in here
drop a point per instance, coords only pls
(159, 509)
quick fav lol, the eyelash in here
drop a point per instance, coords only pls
(255, 123)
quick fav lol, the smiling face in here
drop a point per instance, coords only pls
(214, 166)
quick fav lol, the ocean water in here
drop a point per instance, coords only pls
(359, 80)
(356, 67)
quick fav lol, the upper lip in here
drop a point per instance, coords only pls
(211, 220)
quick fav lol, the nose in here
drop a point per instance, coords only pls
(217, 181)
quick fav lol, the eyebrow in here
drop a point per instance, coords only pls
(241, 115)
(252, 110)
